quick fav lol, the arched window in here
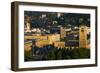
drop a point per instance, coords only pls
(82, 30)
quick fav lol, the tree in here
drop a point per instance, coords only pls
(50, 56)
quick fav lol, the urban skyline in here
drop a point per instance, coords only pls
(47, 30)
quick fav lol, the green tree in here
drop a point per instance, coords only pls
(51, 56)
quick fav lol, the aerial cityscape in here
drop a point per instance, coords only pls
(56, 36)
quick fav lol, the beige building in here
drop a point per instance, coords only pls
(53, 38)
(38, 37)
(62, 32)
(59, 44)
(47, 40)
(42, 43)
(28, 26)
(83, 37)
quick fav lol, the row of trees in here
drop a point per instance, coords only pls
(65, 18)
(58, 54)
(61, 54)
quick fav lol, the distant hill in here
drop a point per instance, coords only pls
(45, 19)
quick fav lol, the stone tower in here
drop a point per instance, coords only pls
(28, 24)
(83, 36)
(62, 32)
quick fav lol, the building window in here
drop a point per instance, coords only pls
(82, 30)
